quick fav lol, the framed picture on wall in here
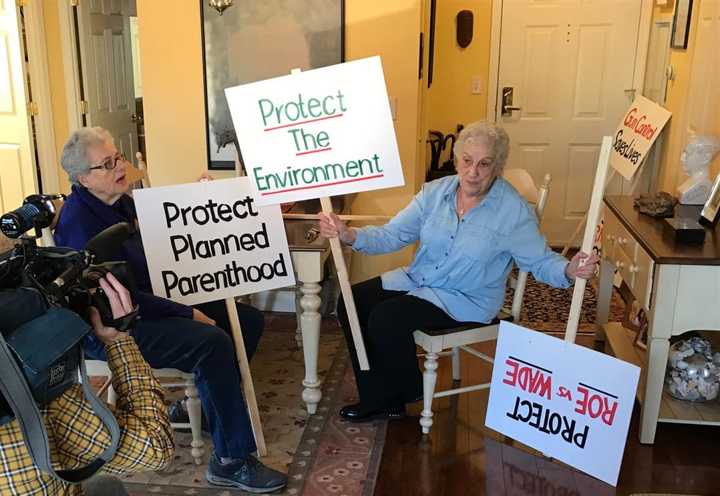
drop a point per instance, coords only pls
(251, 40)
(681, 24)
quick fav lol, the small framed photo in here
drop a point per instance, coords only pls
(641, 336)
(636, 320)
(711, 210)
(681, 24)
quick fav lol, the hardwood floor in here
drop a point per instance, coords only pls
(462, 457)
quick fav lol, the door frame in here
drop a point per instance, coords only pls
(37, 69)
(643, 41)
(68, 45)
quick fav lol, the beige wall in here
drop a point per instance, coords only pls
(671, 173)
(57, 85)
(450, 99)
(173, 100)
(391, 30)
(171, 62)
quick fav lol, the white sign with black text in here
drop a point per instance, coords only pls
(317, 133)
(211, 240)
(567, 401)
(640, 127)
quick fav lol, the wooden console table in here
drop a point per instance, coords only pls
(678, 285)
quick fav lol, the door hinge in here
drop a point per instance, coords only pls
(21, 3)
(84, 107)
(33, 109)
(74, 3)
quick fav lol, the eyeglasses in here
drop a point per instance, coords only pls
(110, 162)
(484, 163)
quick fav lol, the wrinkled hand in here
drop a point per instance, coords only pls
(582, 265)
(120, 305)
(332, 227)
(201, 317)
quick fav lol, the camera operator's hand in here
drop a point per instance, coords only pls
(120, 305)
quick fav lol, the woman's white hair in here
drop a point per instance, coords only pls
(74, 157)
(487, 133)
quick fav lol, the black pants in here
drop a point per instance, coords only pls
(388, 320)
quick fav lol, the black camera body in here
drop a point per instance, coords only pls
(45, 296)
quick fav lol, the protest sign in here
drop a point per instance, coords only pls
(640, 127)
(209, 241)
(317, 133)
(567, 401)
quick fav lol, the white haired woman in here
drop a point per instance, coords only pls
(169, 335)
(470, 228)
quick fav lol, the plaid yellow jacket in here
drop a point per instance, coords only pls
(77, 436)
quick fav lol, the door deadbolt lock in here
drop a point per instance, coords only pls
(507, 102)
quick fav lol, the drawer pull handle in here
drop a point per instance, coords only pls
(619, 264)
(622, 241)
(633, 269)
(610, 237)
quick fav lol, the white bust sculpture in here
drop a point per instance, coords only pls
(696, 159)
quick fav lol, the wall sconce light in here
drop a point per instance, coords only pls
(220, 5)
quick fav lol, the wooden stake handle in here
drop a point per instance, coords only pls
(346, 290)
(247, 382)
(369, 218)
(593, 216)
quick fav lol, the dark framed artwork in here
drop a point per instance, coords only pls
(252, 40)
(681, 24)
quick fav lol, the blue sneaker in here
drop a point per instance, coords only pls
(247, 474)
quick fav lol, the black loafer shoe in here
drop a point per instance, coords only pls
(356, 413)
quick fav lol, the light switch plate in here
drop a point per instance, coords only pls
(476, 85)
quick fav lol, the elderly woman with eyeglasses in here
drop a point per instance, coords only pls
(470, 227)
(169, 335)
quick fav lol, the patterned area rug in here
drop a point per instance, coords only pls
(322, 454)
(544, 307)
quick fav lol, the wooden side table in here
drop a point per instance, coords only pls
(678, 285)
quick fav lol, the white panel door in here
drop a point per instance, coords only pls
(107, 69)
(17, 167)
(568, 63)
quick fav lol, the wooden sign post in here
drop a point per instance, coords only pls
(593, 217)
(346, 291)
(316, 134)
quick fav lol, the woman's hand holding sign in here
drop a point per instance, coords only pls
(331, 226)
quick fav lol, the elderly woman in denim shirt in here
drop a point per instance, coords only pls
(470, 228)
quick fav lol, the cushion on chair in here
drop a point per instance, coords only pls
(452, 330)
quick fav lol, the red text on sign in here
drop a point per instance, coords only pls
(528, 379)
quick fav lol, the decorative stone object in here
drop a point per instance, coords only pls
(660, 204)
(693, 372)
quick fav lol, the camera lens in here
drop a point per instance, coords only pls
(14, 223)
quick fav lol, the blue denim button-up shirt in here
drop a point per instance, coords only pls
(462, 265)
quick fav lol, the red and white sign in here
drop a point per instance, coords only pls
(317, 133)
(638, 130)
(567, 401)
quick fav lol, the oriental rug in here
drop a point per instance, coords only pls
(322, 454)
(546, 308)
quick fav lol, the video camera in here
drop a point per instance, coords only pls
(36, 282)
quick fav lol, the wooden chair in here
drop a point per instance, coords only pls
(436, 342)
(100, 368)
